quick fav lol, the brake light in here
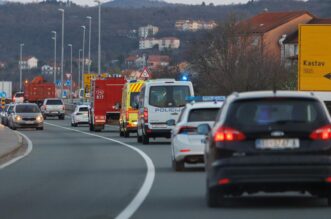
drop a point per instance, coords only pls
(63, 107)
(146, 114)
(185, 150)
(223, 181)
(323, 133)
(228, 134)
(328, 180)
(186, 129)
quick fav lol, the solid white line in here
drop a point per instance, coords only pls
(28, 151)
(148, 182)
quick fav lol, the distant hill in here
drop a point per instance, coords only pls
(136, 4)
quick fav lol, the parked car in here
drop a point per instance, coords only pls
(5, 114)
(80, 115)
(53, 107)
(26, 115)
(187, 145)
(268, 142)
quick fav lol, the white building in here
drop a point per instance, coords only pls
(169, 43)
(195, 25)
(163, 43)
(148, 43)
(29, 63)
(148, 31)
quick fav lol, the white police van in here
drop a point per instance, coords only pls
(160, 101)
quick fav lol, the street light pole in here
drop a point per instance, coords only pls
(79, 65)
(89, 43)
(99, 38)
(70, 45)
(55, 65)
(20, 64)
(83, 56)
(62, 51)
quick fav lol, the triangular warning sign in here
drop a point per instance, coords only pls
(145, 73)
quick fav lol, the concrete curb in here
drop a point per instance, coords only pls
(13, 148)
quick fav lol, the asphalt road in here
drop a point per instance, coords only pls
(73, 175)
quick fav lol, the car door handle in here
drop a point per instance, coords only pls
(174, 114)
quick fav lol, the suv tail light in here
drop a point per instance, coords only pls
(187, 129)
(323, 133)
(228, 134)
(63, 108)
(146, 115)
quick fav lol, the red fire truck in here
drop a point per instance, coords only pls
(106, 96)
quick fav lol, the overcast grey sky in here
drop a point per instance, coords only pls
(91, 2)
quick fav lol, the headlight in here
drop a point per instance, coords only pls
(18, 118)
(39, 118)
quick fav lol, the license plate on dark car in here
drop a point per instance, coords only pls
(277, 144)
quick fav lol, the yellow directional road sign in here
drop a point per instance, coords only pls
(314, 57)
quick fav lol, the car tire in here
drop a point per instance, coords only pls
(13, 128)
(178, 165)
(61, 117)
(40, 128)
(139, 138)
(126, 134)
(75, 124)
(91, 127)
(121, 132)
(329, 201)
(145, 139)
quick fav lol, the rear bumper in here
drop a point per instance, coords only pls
(56, 113)
(166, 133)
(270, 178)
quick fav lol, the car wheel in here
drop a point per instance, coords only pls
(40, 128)
(61, 117)
(121, 132)
(126, 134)
(13, 128)
(329, 201)
(139, 138)
(178, 165)
(215, 198)
(145, 139)
(75, 124)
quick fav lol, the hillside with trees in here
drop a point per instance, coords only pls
(32, 24)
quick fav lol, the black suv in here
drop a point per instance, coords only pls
(268, 142)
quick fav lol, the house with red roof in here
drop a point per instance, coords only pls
(157, 61)
(269, 29)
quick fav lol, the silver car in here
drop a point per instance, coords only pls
(53, 107)
(26, 115)
(5, 114)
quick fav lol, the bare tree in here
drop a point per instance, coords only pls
(231, 58)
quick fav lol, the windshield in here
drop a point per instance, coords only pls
(134, 99)
(83, 109)
(19, 95)
(203, 115)
(27, 109)
(168, 96)
(266, 112)
(54, 102)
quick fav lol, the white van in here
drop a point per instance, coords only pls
(160, 101)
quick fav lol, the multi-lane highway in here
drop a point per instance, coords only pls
(71, 174)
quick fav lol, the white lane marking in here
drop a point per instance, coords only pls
(28, 151)
(148, 182)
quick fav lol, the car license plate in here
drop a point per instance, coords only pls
(29, 122)
(276, 144)
(54, 112)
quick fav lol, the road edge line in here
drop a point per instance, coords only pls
(27, 152)
(146, 187)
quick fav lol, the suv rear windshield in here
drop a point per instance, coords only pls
(19, 95)
(201, 115)
(27, 109)
(83, 109)
(168, 96)
(54, 102)
(280, 111)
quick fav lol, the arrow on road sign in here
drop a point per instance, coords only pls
(328, 76)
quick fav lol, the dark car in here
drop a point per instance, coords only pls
(268, 142)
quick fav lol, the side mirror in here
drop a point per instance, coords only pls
(171, 122)
(203, 129)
